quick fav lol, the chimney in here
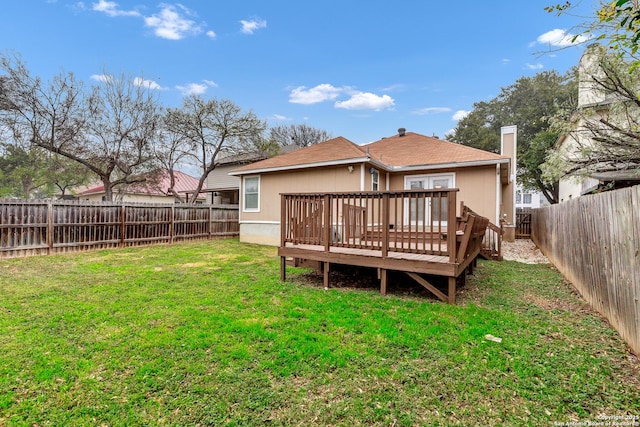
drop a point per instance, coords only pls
(401, 131)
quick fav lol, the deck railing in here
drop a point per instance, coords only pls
(412, 221)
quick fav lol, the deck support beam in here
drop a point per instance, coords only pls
(433, 289)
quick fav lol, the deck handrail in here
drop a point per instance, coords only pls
(413, 221)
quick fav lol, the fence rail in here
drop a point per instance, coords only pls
(38, 227)
(595, 243)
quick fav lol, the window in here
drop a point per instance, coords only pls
(526, 198)
(251, 194)
(375, 179)
(518, 197)
(433, 207)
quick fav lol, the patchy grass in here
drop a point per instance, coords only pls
(205, 334)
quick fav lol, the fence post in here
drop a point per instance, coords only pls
(49, 228)
(123, 216)
(172, 219)
(210, 218)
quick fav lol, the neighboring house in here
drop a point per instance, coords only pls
(403, 161)
(593, 103)
(224, 188)
(527, 199)
(153, 191)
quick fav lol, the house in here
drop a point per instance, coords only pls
(225, 188)
(155, 190)
(527, 199)
(595, 104)
(405, 161)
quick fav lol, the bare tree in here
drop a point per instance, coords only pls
(171, 150)
(301, 135)
(109, 129)
(214, 129)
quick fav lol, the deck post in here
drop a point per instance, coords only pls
(383, 281)
(452, 290)
(451, 226)
(283, 269)
(385, 228)
(326, 275)
(283, 220)
(327, 222)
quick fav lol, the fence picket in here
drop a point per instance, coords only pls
(595, 243)
(38, 227)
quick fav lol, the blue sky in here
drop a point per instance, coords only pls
(355, 69)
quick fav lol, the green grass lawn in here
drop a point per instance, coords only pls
(204, 333)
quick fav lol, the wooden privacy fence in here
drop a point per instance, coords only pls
(595, 243)
(37, 227)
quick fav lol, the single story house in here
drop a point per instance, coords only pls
(155, 190)
(407, 160)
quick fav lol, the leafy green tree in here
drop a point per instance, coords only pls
(36, 173)
(616, 23)
(530, 103)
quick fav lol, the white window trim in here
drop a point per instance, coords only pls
(244, 194)
(376, 173)
(408, 178)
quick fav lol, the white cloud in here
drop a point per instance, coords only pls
(537, 66)
(280, 117)
(314, 95)
(193, 89)
(249, 27)
(102, 78)
(196, 88)
(460, 114)
(505, 60)
(111, 8)
(431, 110)
(149, 84)
(366, 101)
(211, 34)
(560, 38)
(170, 24)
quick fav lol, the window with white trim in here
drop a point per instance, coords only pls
(375, 180)
(251, 194)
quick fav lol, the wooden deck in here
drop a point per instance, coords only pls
(405, 231)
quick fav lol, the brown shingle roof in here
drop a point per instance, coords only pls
(410, 150)
(414, 149)
(333, 150)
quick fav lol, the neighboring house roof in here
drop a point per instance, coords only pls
(184, 183)
(396, 153)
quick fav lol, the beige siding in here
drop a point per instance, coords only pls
(316, 180)
(477, 187)
(219, 178)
